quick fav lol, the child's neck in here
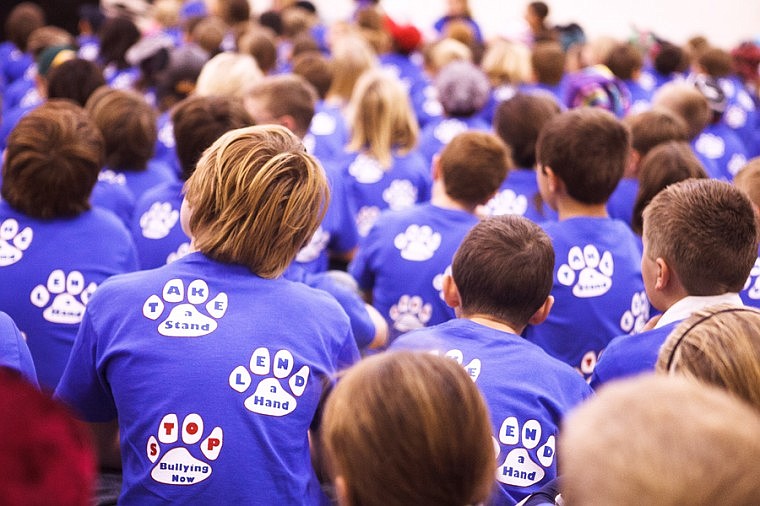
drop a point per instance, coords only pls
(440, 198)
(492, 323)
(571, 208)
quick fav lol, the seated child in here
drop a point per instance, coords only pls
(748, 181)
(500, 281)
(200, 367)
(402, 260)
(14, 352)
(598, 288)
(443, 422)
(700, 242)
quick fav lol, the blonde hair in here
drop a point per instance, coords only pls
(351, 56)
(718, 345)
(506, 62)
(660, 440)
(381, 117)
(409, 428)
(256, 198)
(445, 51)
(228, 75)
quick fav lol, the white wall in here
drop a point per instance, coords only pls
(724, 22)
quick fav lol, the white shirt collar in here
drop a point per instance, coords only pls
(692, 303)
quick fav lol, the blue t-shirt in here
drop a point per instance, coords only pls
(621, 202)
(527, 392)
(215, 375)
(403, 260)
(109, 194)
(630, 355)
(53, 267)
(723, 147)
(14, 353)
(741, 114)
(139, 181)
(750, 294)
(598, 290)
(437, 134)
(372, 188)
(519, 195)
(328, 133)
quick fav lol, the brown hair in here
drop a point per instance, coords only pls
(409, 428)
(748, 180)
(548, 62)
(261, 44)
(660, 440)
(705, 230)
(286, 95)
(518, 122)
(504, 268)
(199, 121)
(652, 127)
(256, 198)
(315, 68)
(473, 166)
(687, 102)
(587, 148)
(716, 62)
(128, 125)
(351, 57)
(52, 161)
(24, 19)
(75, 79)
(666, 164)
(624, 60)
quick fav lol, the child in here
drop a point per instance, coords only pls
(597, 288)
(54, 249)
(548, 63)
(500, 281)
(625, 61)
(401, 261)
(188, 363)
(700, 242)
(426, 418)
(748, 181)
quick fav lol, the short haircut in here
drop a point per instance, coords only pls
(660, 440)
(228, 74)
(25, 18)
(666, 164)
(624, 60)
(504, 268)
(381, 117)
(256, 198)
(209, 33)
(75, 80)
(548, 62)
(705, 230)
(540, 9)
(128, 125)
(439, 53)
(587, 148)
(315, 68)
(117, 35)
(46, 37)
(716, 62)
(53, 158)
(287, 95)
(518, 122)
(51, 457)
(748, 180)
(670, 58)
(686, 102)
(652, 127)
(261, 44)
(506, 62)
(199, 121)
(445, 456)
(473, 166)
(463, 89)
(719, 345)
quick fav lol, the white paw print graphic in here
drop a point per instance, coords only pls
(711, 146)
(13, 242)
(736, 163)
(448, 129)
(752, 286)
(322, 124)
(157, 222)
(365, 169)
(745, 100)
(184, 319)
(365, 218)
(735, 117)
(178, 466)
(112, 177)
(519, 469)
(634, 319)
(182, 250)
(418, 243)
(438, 281)
(270, 397)
(588, 363)
(69, 295)
(316, 246)
(400, 194)
(594, 273)
(166, 135)
(473, 367)
(507, 202)
(409, 313)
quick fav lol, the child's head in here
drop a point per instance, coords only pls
(472, 166)
(408, 428)
(351, 57)
(686, 102)
(463, 89)
(719, 345)
(587, 149)
(652, 127)
(75, 80)
(625, 61)
(228, 74)
(315, 68)
(666, 164)
(660, 440)
(518, 122)
(52, 161)
(444, 51)
(381, 116)
(284, 99)
(117, 35)
(716, 62)
(548, 62)
(704, 230)
(504, 269)
(506, 62)
(128, 125)
(199, 121)
(25, 18)
(748, 180)
(255, 198)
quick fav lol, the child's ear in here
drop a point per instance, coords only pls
(553, 182)
(435, 167)
(543, 312)
(341, 491)
(451, 292)
(664, 274)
